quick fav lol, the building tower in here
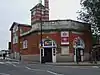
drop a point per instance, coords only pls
(46, 4)
(36, 12)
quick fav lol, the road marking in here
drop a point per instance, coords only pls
(2, 63)
(95, 66)
(14, 65)
(28, 68)
(54, 73)
(7, 63)
(4, 74)
(80, 67)
(34, 69)
(11, 62)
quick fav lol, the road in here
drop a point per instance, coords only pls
(16, 68)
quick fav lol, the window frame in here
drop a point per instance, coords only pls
(15, 38)
(25, 44)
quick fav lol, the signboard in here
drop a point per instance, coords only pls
(64, 38)
(65, 34)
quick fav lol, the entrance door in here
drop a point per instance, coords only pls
(78, 55)
(48, 54)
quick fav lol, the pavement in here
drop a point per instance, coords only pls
(65, 63)
(58, 63)
(13, 67)
(74, 64)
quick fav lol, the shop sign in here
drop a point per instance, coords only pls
(64, 38)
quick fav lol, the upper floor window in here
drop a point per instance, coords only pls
(15, 39)
(21, 31)
(33, 13)
(25, 44)
(42, 12)
(15, 28)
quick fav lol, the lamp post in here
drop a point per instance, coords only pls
(41, 30)
(41, 42)
(41, 22)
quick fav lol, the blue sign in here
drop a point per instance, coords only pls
(41, 43)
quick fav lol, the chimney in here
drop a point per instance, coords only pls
(46, 4)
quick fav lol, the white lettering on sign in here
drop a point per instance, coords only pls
(65, 37)
(64, 34)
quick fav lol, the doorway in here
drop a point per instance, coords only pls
(78, 55)
(48, 54)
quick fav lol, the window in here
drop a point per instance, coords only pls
(15, 28)
(42, 12)
(21, 31)
(15, 39)
(25, 44)
(14, 34)
(54, 51)
(33, 13)
(53, 44)
(65, 50)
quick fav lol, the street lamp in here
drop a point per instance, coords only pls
(41, 42)
(41, 22)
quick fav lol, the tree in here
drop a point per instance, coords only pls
(90, 13)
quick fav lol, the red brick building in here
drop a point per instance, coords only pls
(59, 38)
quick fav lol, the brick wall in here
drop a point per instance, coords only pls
(34, 39)
(25, 28)
(86, 36)
(32, 44)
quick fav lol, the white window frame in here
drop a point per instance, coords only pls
(33, 13)
(25, 44)
(21, 31)
(15, 38)
(65, 51)
(15, 28)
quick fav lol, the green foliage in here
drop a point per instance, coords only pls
(94, 39)
(90, 12)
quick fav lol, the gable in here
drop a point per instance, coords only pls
(14, 24)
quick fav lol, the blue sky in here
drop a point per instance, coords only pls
(19, 11)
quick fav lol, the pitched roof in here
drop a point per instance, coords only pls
(37, 6)
(18, 24)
